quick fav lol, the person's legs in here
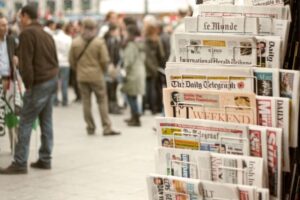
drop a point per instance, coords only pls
(99, 89)
(65, 73)
(132, 100)
(86, 92)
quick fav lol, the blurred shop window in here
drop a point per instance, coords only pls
(35, 3)
(86, 5)
(51, 6)
(18, 6)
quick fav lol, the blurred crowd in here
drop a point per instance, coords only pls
(138, 49)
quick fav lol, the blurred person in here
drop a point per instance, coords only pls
(63, 44)
(39, 68)
(50, 27)
(179, 28)
(89, 57)
(113, 43)
(134, 64)
(110, 18)
(8, 60)
(155, 58)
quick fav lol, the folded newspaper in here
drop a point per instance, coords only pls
(212, 105)
(274, 112)
(162, 187)
(267, 82)
(289, 88)
(223, 24)
(199, 76)
(212, 48)
(220, 168)
(204, 135)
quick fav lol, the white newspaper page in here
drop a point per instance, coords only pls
(196, 76)
(224, 24)
(204, 135)
(275, 161)
(235, 169)
(283, 121)
(267, 82)
(289, 88)
(219, 106)
(172, 188)
(269, 51)
(215, 49)
(245, 2)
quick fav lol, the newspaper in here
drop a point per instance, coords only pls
(173, 188)
(281, 28)
(258, 144)
(289, 88)
(274, 112)
(161, 187)
(269, 51)
(237, 169)
(221, 168)
(196, 76)
(223, 24)
(275, 161)
(209, 48)
(245, 2)
(267, 82)
(212, 105)
(204, 135)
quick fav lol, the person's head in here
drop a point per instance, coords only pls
(89, 28)
(3, 26)
(150, 29)
(129, 21)
(113, 30)
(69, 29)
(261, 48)
(59, 26)
(175, 96)
(27, 15)
(132, 32)
(165, 142)
(50, 24)
(111, 17)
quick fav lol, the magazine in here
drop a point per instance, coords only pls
(204, 135)
(173, 188)
(267, 82)
(196, 76)
(269, 51)
(221, 168)
(224, 24)
(289, 88)
(275, 161)
(212, 105)
(212, 48)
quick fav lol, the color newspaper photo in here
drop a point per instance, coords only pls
(266, 82)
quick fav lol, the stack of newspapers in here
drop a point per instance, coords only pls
(231, 111)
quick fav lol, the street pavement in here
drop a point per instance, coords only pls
(86, 167)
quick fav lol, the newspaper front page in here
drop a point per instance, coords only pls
(215, 49)
(289, 88)
(196, 76)
(245, 2)
(204, 135)
(219, 106)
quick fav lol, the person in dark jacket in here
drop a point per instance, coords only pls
(39, 69)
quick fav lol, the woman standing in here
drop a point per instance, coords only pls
(134, 64)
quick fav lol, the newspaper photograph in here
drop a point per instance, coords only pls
(269, 51)
(209, 48)
(235, 169)
(267, 82)
(211, 105)
(274, 161)
(224, 24)
(258, 144)
(172, 188)
(204, 135)
(196, 76)
(289, 88)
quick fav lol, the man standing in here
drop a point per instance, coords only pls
(89, 57)
(39, 69)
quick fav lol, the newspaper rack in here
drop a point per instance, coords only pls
(189, 195)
